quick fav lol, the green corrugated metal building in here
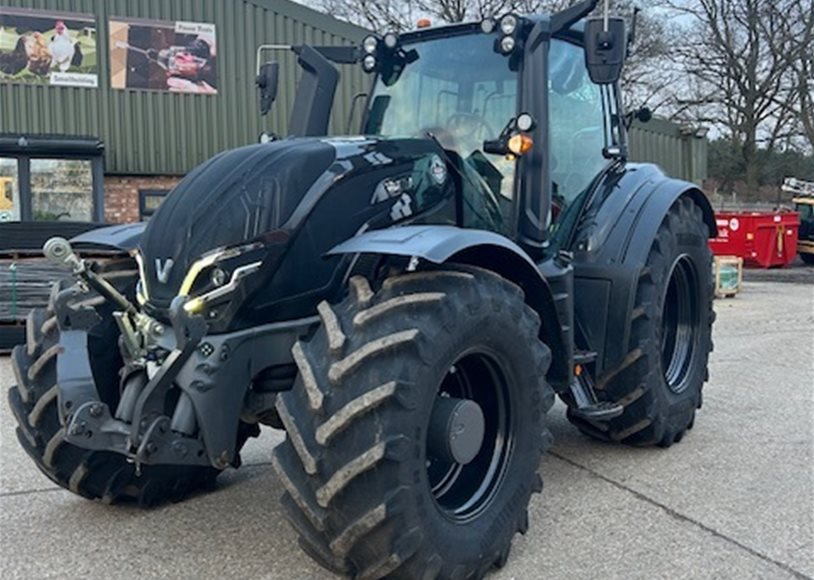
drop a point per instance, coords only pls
(111, 150)
(680, 150)
(148, 138)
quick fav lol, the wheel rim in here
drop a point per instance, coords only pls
(462, 492)
(679, 324)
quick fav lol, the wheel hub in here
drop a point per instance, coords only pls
(680, 319)
(456, 431)
(469, 436)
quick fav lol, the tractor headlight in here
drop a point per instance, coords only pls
(198, 303)
(218, 276)
(487, 25)
(369, 63)
(507, 44)
(218, 273)
(391, 40)
(370, 44)
(508, 24)
(142, 294)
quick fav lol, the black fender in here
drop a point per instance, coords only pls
(441, 244)
(122, 238)
(610, 250)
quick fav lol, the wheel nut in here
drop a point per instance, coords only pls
(96, 410)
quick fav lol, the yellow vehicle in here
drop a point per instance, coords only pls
(803, 199)
(6, 199)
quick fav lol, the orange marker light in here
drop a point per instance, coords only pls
(423, 23)
(520, 144)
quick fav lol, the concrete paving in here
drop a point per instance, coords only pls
(735, 499)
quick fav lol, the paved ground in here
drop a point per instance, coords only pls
(735, 499)
(797, 273)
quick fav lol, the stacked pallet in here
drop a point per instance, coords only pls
(25, 283)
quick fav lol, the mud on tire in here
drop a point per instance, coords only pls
(660, 380)
(33, 400)
(354, 466)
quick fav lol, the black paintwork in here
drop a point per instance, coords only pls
(315, 94)
(299, 198)
(122, 238)
(610, 244)
(311, 206)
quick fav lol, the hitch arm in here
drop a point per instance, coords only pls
(59, 251)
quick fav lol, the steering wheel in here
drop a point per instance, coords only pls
(470, 127)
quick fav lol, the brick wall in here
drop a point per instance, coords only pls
(121, 194)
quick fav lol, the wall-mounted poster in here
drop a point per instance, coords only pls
(46, 47)
(163, 56)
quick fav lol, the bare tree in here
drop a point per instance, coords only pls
(798, 27)
(736, 57)
(377, 15)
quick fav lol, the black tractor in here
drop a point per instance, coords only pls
(405, 303)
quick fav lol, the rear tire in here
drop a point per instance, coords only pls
(660, 380)
(91, 474)
(361, 488)
(807, 258)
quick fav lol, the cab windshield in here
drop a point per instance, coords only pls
(462, 92)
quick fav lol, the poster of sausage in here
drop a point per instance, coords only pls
(163, 56)
(47, 48)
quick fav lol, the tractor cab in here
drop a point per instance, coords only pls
(526, 108)
(505, 98)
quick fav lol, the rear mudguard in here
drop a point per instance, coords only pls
(611, 246)
(448, 244)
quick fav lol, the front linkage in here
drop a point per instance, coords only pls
(202, 427)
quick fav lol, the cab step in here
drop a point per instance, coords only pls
(599, 411)
(586, 404)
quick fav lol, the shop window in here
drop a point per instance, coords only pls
(9, 190)
(61, 189)
(149, 200)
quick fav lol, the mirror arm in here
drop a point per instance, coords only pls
(499, 146)
(565, 18)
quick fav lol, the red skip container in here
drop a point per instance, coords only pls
(765, 240)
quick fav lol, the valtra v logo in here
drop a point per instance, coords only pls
(162, 269)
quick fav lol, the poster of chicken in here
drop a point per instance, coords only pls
(46, 47)
(164, 56)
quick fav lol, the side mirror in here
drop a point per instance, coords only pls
(267, 81)
(605, 49)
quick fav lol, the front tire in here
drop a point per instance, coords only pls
(41, 432)
(364, 485)
(660, 380)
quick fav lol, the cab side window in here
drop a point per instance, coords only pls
(577, 126)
